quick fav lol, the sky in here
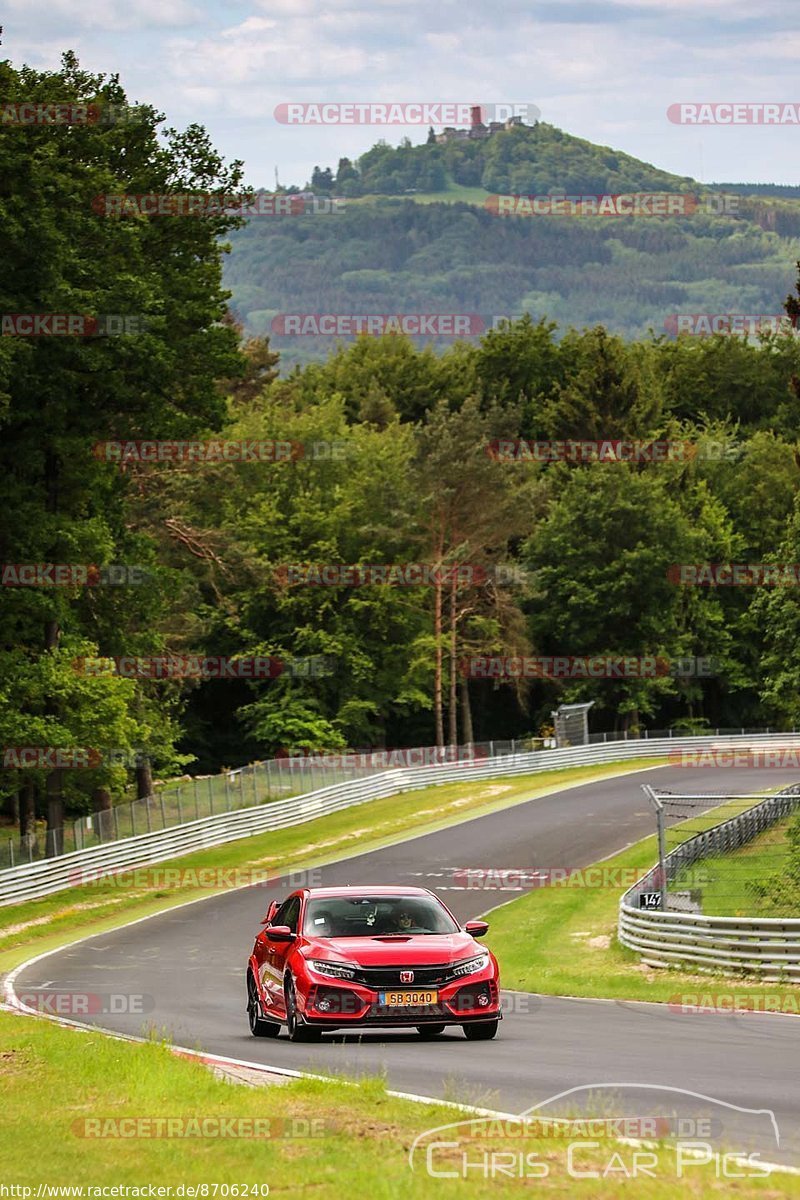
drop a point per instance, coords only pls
(605, 70)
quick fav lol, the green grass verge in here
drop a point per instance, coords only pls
(321, 1139)
(561, 940)
(40, 925)
(726, 891)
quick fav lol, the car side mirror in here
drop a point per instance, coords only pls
(476, 928)
(273, 908)
(281, 933)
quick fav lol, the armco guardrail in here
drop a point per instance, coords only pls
(41, 878)
(766, 946)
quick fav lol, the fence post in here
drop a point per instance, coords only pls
(227, 793)
(210, 796)
(180, 810)
(255, 783)
(241, 786)
(196, 801)
(116, 822)
(133, 818)
(11, 850)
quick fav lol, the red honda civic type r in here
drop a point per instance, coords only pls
(367, 958)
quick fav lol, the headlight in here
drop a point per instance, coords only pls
(334, 970)
(471, 966)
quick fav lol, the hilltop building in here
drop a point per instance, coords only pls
(477, 131)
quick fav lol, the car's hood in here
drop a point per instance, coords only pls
(386, 950)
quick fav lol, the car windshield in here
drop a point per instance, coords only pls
(366, 916)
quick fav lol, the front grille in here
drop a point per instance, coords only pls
(386, 977)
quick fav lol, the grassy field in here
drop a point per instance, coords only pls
(726, 892)
(79, 1109)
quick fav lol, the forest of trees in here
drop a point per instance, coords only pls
(630, 274)
(524, 159)
(392, 465)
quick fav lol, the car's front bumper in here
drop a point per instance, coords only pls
(334, 1005)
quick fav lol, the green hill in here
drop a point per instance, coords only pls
(416, 232)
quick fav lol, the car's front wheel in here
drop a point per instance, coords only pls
(298, 1032)
(482, 1031)
(429, 1031)
(258, 1026)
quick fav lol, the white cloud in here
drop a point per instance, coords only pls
(111, 15)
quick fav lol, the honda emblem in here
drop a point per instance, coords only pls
(406, 976)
